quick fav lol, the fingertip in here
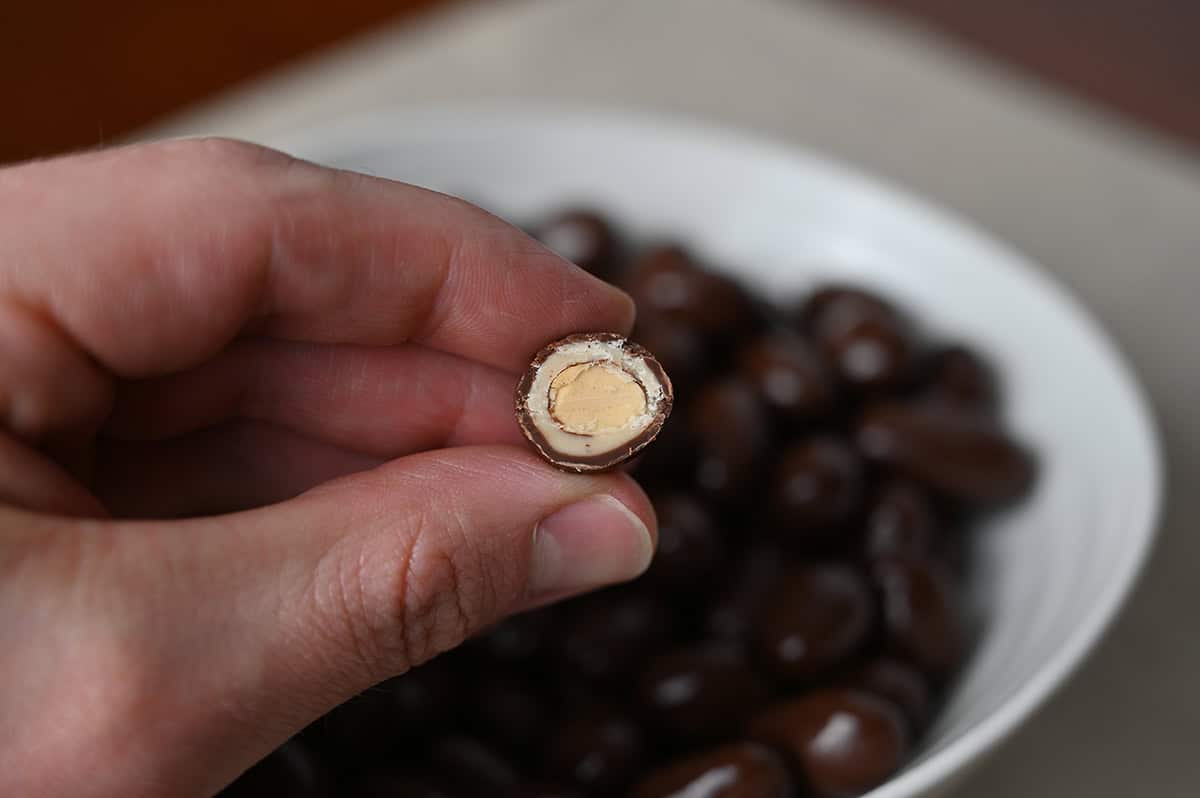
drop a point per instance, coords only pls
(594, 305)
(599, 540)
(629, 493)
(521, 466)
(627, 312)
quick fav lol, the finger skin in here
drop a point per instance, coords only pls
(267, 419)
(225, 468)
(380, 401)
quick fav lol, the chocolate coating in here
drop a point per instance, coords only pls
(583, 237)
(666, 282)
(383, 718)
(366, 725)
(667, 465)
(599, 753)
(690, 551)
(844, 742)
(901, 522)
(831, 309)
(680, 348)
(511, 714)
(733, 438)
(543, 789)
(920, 615)
(899, 683)
(471, 767)
(733, 615)
(817, 487)
(788, 376)
(605, 459)
(607, 637)
(957, 376)
(961, 454)
(740, 770)
(424, 697)
(818, 618)
(391, 781)
(519, 639)
(862, 338)
(700, 693)
(871, 354)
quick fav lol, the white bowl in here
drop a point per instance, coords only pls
(1054, 571)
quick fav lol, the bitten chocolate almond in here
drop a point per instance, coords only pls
(591, 401)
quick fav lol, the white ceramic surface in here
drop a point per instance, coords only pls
(1053, 572)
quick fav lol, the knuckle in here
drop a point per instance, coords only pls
(409, 586)
(438, 594)
(431, 591)
(394, 609)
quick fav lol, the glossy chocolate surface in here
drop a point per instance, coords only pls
(843, 742)
(958, 453)
(898, 682)
(901, 522)
(700, 693)
(789, 377)
(583, 237)
(818, 617)
(733, 614)
(733, 439)
(957, 376)
(691, 551)
(864, 341)
(921, 615)
(599, 753)
(740, 770)
(818, 486)
(666, 282)
(608, 637)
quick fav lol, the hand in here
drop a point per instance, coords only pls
(304, 378)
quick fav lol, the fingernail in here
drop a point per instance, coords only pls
(594, 542)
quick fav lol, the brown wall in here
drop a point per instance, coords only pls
(74, 73)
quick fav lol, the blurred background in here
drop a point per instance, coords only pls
(78, 73)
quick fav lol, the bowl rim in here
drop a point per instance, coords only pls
(379, 126)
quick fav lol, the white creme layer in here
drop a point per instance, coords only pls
(538, 401)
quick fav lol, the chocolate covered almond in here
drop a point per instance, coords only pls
(591, 401)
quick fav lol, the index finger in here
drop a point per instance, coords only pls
(154, 257)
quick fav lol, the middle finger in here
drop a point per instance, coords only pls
(381, 401)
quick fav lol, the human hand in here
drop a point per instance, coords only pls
(304, 377)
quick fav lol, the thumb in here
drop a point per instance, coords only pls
(237, 631)
(408, 560)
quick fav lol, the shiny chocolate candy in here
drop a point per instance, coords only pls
(739, 770)
(843, 742)
(818, 618)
